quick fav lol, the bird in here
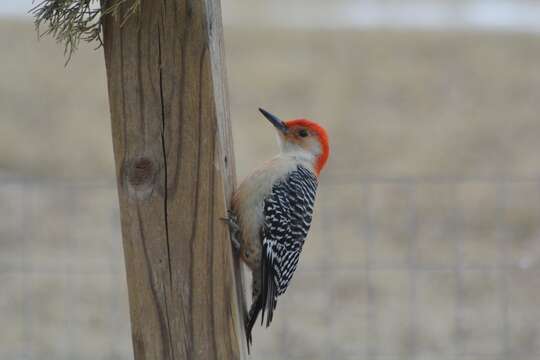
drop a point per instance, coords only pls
(272, 209)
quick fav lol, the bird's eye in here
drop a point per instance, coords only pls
(303, 133)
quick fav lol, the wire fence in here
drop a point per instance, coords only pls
(394, 268)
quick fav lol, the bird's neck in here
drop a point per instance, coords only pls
(300, 156)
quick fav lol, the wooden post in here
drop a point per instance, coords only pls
(175, 172)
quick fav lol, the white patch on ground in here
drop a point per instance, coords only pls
(477, 14)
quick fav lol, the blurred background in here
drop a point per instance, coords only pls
(426, 238)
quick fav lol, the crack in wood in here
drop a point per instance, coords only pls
(165, 187)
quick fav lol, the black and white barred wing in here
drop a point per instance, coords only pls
(288, 212)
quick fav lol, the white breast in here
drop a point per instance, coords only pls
(248, 201)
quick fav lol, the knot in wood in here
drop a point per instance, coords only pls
(141, 172)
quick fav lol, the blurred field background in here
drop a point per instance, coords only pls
(426, 237)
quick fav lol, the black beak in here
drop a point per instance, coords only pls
(278, 124)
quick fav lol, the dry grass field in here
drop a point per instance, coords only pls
(426, 237)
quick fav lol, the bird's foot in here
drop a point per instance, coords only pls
(232, 221)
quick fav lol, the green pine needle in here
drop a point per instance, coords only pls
(70, 21)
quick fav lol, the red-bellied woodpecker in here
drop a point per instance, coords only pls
(272, 209)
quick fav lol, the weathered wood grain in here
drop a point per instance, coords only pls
(175, 171)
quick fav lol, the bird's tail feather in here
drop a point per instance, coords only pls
(252, 317)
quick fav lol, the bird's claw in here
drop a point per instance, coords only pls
(234, 228)
(235, 243)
